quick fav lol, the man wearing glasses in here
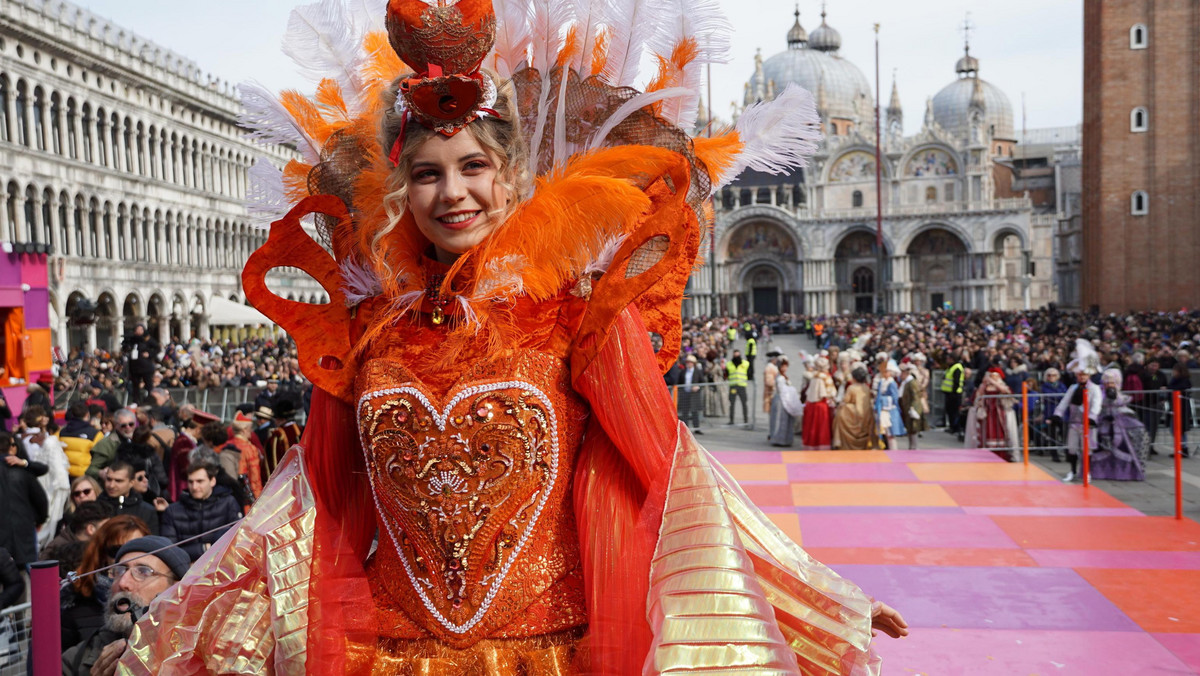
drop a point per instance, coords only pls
(105, 450)
(145, 568)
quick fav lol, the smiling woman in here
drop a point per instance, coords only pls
(489, 409)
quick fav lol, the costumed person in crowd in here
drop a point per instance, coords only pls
(854, 424)
(1122, 444)
(46, 449)
(911, 407)
(888, 416)
(501, 242)
(819, 396)
(770, 373)
(785, 407)
(1070, 411)
(992, 421)
(924, 379)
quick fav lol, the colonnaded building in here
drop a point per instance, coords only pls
(967, 220)
(125, 161)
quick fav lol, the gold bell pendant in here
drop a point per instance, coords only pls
(438, 316)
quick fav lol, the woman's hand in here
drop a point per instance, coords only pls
(886, 619)
(14, 461)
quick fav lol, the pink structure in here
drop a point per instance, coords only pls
(25, 353)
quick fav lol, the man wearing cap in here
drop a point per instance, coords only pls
(269, 396)
(146, 567)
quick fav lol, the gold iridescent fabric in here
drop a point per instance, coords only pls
(730, 592)
(472, 490)
(243, 606)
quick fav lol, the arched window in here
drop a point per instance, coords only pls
(930, 195)
(4, 121)
(39, 108)
(87, 133)
(1139, 119)
(1139, 203)
(22, 116)
(856, 199)
(1139, 38)
(56, 129)
(864, 280)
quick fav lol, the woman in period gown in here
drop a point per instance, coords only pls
(854, 424)
(887, 406)
(992, 422)
(1121, 438)
(785, 408)
(817, 429)
(493, 475)
(912, 404)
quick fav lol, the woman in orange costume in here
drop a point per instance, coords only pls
(493, 479)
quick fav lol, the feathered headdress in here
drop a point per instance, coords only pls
(597, 142)
(1086, 360)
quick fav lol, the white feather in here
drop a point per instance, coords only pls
(369, 15)
(266, 200)
(469, 315)
(605, 258)
(633, 23)
(325, 41)
(359, 281)
(502, 279)
(704, 22)
(549, 20)
(406, 301)
(266, 120)
(777, 135)
(513, 36)
(589, 16)
(630, 107)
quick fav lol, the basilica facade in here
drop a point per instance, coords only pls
(955, 233)
(124, 160)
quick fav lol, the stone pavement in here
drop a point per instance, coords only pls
(999, 567)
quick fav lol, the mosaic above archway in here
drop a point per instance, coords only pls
(852, 167)
(761, 238)
(931, 162)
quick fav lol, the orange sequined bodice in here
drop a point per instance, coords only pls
(472, 489)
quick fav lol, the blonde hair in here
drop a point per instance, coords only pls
(499, 135)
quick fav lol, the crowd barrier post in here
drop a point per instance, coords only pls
(46, 645)
(1025, 417)
(1177, 398)
(1086, 450)
(675, 396)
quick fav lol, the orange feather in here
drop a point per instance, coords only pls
(600, 51)
(570, 47)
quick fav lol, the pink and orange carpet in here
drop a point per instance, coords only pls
(999, 568)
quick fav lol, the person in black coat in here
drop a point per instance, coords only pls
(10, 579)
(118, 491)
(23, 504)
(142, 352)
(205, 507)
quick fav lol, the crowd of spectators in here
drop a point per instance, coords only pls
(125, 499)
(196, 364)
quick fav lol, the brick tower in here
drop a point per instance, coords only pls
(1141, 155)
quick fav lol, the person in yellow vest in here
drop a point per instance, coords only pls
(731, 333)
(736, 374)
(751, 353)
(78, 437)
(952, 389)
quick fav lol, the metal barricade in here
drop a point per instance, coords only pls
(15, 624)
(1152, 409)
(715, 404)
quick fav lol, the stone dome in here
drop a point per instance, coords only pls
(952, 105)
(841, 89)
(825, 38)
